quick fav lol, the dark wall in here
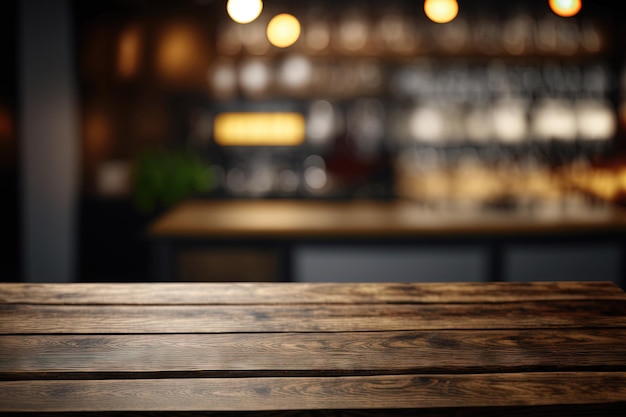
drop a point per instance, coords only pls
(9, 193)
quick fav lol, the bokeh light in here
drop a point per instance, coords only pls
(222, 78)
(98, 134)
(596, 119)
(180, 52)
(565, 8)
(129, 52)
(441, 11)
(296, 72)
(353, 32)
(427, 124)
(317, 35)
(283, 30)
(315, 176)
(321, 122)
(255, 76)
(244, 11)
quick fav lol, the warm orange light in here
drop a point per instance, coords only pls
(97, 133)
(128, 52)
(244, 11)
(259, 129)
(441, 11)
(283, 30)
(178, 52)
(565, 8)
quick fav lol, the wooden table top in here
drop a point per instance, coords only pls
(323, 349)
(399, 218)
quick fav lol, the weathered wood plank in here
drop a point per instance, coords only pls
(577, 410)
(366, 392)
(144, 348)
(20, 319)
(303, 293)
(130, 356)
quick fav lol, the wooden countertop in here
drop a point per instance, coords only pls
(297, 349)
(328, 219)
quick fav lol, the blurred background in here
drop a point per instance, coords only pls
(114, 111)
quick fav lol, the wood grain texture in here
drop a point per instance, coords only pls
(242, 394)
(232, 355)
(577, 410)
(81, 319)
(552, 349)
(303, 293)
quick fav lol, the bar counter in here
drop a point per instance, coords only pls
(285, 223)
(243, 218)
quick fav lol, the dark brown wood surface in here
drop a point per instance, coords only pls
(280, 393)
(82, 319)
(87, 356)
(304, 293)
(313, 349)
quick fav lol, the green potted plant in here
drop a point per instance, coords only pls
(163, 178)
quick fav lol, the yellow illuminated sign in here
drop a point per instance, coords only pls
(259, 129)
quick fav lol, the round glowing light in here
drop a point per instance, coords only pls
(565, 8)
(596, 119)
(427, 124)
(441, 11)
(255, 76)
(222, 78)
(296, 72)
(315, 176)
(244, 11)
(283, 30)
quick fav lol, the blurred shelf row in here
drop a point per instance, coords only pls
(507, 105)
